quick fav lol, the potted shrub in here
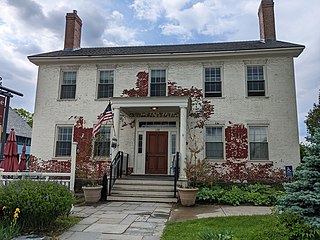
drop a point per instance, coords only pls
(197, 173)
(86, 167)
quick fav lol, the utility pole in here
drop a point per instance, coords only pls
(8, 94)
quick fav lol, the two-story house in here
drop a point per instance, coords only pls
(251, 85)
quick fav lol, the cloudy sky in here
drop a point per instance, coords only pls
(34, 26)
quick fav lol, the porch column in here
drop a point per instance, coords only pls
(183, 143)
(116, 128)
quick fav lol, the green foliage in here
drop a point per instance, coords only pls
(25, 115)
(313, 119)
(303, 195)
(40, 203)
(210, 235)
(295, 227)
(256, 194)
(8, 223)
(303, 151)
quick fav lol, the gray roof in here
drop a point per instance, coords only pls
(165, 49)
(18, 124)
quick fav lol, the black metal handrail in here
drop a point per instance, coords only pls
(176, 160)
(115, 170)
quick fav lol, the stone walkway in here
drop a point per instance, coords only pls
(120, 220)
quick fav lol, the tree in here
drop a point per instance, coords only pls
(25, 115)
(303, 195)
(313, 119)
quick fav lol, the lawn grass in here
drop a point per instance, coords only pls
(242, 227)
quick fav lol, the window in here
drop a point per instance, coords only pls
(258, 143)
(214, 142)
(63, 143)
(140, 143)
(212, 82)
(173, 143)
(102, 142)
(158, 83)
(68, 85)
(105, 86)
(255, 81)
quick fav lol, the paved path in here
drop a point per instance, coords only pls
(120, 220)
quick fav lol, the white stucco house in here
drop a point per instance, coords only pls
(251, 85)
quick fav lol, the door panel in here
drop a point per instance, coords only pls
(157, 153)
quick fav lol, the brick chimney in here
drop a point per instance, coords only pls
(266, 20)
(72, 36)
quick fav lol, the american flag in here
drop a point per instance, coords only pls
(106, 115)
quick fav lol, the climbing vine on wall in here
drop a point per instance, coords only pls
(141, 86)
(201, 109)
(236, 136)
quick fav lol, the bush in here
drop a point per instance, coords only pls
(256, 194)
(40, 203)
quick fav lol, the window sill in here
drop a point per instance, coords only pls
(62, 158)
(102, 99)
(223, 97)
(260, 161)
(215, 160)
(67, 99)
(249, 97)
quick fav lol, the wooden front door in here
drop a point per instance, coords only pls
(157, 153)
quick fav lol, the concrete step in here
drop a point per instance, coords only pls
(142, 199)
(131, 187)
(143, 182)
(141, 193)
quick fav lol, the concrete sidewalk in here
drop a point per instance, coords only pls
(143, 221)
(120, 220)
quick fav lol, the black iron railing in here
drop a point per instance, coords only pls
(176, 166)
(117, 169)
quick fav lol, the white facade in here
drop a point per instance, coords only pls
(276, 111)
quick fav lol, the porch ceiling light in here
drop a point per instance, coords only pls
(154, 108)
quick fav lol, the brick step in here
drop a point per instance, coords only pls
(143, 182)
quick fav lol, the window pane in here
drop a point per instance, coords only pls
(68, 85)
(140, 143)
(258, 143)
(105, 90)
(102, 142)
(212, 81)
(106, 77)
(214, 142)
(63, 143)
(255, 81)
(158, 83)
(173, 143)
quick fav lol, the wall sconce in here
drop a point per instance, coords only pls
(154, 108)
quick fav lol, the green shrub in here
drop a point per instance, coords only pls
(297, 226)
(211, 195)
(256, 194)
(40, 203)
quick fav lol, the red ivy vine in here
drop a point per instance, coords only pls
(141, 85)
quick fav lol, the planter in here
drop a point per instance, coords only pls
(188, 196)
(92, 194)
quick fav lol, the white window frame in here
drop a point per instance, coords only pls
(166, 80)
(98, 82)
(104, 157)
(249, 141)
(62, 83)
(221, 79)
(57, 139)
(264, 79)
(222, 141)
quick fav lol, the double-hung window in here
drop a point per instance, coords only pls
(158, 83)
(63, 141)
(212, 82)
(68, 85)
(256, 83)
(214, 142)
(102, 142)
(258, 137)
(105, 85)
